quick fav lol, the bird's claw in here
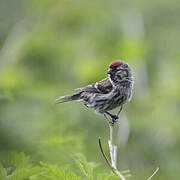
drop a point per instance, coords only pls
(114, 120)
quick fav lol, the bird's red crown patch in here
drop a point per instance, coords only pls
(115, 63)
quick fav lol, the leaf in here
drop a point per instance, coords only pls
(53, 172)
(87, 168)
(3, 173)
(18, 160)
(106, 176)
(24, 173)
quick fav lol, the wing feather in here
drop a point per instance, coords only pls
(104, 87)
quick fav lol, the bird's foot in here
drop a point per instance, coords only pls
(113, 121)
(113, 117)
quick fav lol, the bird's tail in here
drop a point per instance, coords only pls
(67, 98)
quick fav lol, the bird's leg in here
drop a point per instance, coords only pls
(113, 117)
(108, 120)
(121, 107)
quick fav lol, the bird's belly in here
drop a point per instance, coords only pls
(101, 102)
(116, 103)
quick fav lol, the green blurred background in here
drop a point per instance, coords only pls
(49, 48)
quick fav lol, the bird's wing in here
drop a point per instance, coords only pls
(104, 86)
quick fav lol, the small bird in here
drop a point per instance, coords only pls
(107, 94)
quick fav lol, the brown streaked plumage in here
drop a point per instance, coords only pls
(107, 94)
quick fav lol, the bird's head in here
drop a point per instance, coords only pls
(119, 71)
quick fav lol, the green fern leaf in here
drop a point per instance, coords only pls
(87, 168)
(17, 160)
(3, 173)
(53, 172)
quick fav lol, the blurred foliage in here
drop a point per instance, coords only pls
(49, 47)
(14, 170)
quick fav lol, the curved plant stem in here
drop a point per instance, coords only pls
(114, 170)
(112, 149)
(154, 173)
(104, 155)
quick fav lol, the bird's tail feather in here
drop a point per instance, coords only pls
(67, 98)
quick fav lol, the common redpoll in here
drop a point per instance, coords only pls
(107, 94)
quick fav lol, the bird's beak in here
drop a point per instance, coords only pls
(109, 71)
